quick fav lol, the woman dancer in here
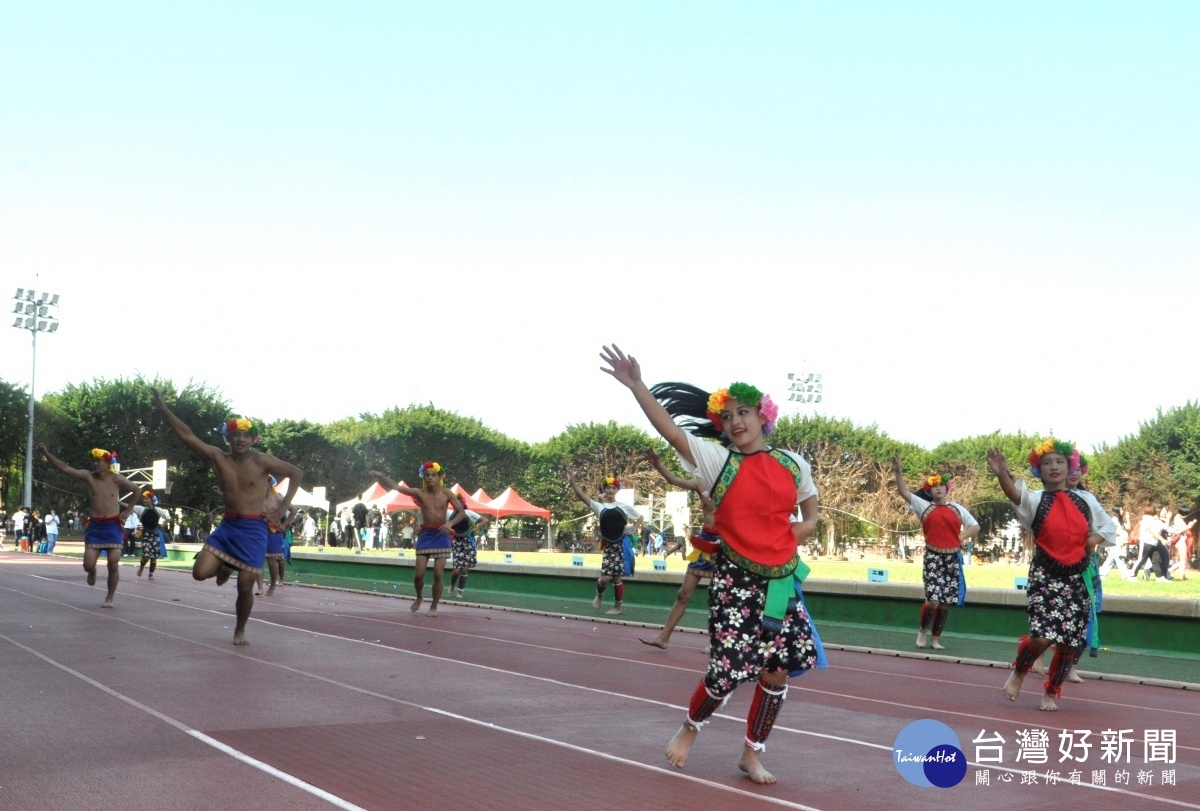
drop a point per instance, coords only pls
(1067, 526)
(947, 526)
(758, 628)
(615, 521)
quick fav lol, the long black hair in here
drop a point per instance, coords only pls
(688, 406)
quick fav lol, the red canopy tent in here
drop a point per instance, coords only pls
(395, 500)
(510, 503)
(470, 503)
(481, 496)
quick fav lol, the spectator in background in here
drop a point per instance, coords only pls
(359, 512)
(1151, 534)
(51, 531)
(132, 525)
(310, 530)
(374, 522)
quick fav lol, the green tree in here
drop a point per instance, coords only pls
(120, 415)
(1159, 466)
(593, 451)
(14, 424)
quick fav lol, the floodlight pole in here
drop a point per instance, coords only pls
(34, 315)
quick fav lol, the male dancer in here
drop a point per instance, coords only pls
(615, 521)
(436, 530)
(104, 530)
(240, 542)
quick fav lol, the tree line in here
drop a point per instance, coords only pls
(1157, 466)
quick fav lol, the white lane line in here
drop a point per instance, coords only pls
(569, 685)
(332, 799)
(363, 691)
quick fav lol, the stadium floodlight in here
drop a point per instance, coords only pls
(33, 313)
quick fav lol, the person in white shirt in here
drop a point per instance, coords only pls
(52, 524)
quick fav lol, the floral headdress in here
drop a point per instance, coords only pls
(150, 495)
(1083, 465)
(271, 480)
(434, 466)
(935, 480)
(107, 456)
(745, 394)
(1053, 445)
(607, 480)
(238, 424)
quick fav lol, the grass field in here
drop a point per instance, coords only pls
(992, 576)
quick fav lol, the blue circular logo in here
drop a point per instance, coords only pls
(927, 753)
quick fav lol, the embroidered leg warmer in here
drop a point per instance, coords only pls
(1026, 656)
(926, 616)
(1060, 665)
(619, 592)
(939, 619)
(763, 712)
(703, 705)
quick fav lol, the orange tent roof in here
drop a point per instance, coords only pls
(481, 496)
(510, 503)
(470, 503)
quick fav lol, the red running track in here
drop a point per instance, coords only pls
(350, 700)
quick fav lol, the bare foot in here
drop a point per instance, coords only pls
(140, 571)
(681, 745)
(458, 594)
(921, 638)
(935, 644)
(753, 767)
(223, 573)
(657, 642)
(616, 609)
(1048, 704)
(416, 606)
(1073, 676)
(258, 594)
(108, 603)
(1012, 687)
(239, 638)
(92, 577)
(271, 590)
(432, 612)
(1039, 666)
(596, 603)
(150, 576)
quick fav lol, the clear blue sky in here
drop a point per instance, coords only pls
(458, 203)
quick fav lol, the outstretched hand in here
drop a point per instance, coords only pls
(652, 457)
(708, 508)
(625, 368)
(41, 448)
(996, 461)
(896, 464)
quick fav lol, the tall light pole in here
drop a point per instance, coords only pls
(36, 312)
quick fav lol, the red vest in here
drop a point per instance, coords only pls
(754, 515)
(1064, 532)
(942, 527)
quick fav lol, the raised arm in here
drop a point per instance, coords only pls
(383, 480)
(686, 484)
(999, 466)
(628, 373)
(901, 485)
(194, 443)
(578, 490)
(60, 465)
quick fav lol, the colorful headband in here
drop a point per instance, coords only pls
(107, 456)
(935, 480)
(150, 495)
(607, 480)
(1053, 445)
(1083, 465)
(745, 394)
(271, 480)
(238, 424)
(434, 466)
